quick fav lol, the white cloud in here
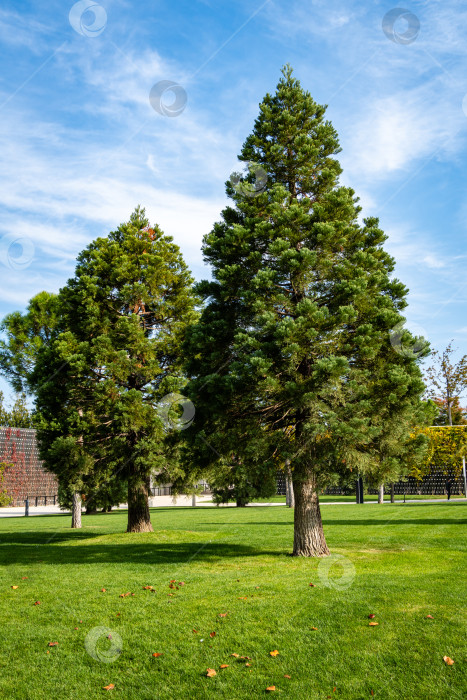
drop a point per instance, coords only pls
(433, 262)
(397, 130)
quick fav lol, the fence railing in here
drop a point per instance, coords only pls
(42, 500)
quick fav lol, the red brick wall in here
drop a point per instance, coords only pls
(24, 477)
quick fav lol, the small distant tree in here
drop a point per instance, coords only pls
(447, 380)
(19, 415)
(458, 413)
(236, 483)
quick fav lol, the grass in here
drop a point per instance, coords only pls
(409, 562)
(372, 498)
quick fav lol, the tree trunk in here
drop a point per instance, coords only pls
(139, 519)
(381, 493)
(392, 492)
(289, 499)
(193, 500)
(241, 503)
(90, 510)
(76, 510)
(309, 538)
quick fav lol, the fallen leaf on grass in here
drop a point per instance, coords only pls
(223, 614)
(148, 588)
(271, 688)
(236, 655)
(315, 628)
(212, 634)
(274, 653)
(247, 664)
(52, 644)
(156, 654)
(246, 658)
(195, 631)
(103, 590)
(111, 686)
(181, 583)
(210, 673)
(24, 577)
(373, 624)
(14, 587)
(371, 616)
(75, 628)
(245, 597)
(38, 602)
(430, 617)
(448, 661)
(224, 666)
(312, 585)
(287, 676)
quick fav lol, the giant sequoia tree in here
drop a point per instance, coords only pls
(292, 361)
(98, 382)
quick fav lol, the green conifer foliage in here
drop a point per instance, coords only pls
(292, 358)
(99, 381)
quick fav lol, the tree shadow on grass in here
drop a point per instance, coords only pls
(367, 523)
(132, 553)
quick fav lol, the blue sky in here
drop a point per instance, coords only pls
(82, 146)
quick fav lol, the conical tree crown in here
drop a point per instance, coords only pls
(295, 337)
(293, 142)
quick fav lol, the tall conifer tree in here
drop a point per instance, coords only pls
(292, 360)
(116, 355)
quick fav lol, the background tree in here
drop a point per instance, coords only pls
(447, 380)
(234, 483)
(458, 413)
(124, 317)
(25, 334)
(297, 327)
(19, 415)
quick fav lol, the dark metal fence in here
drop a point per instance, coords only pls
(433, 485)
(42, 500)
(161, 491)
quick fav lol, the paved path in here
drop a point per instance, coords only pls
(165, 501)
(154, 502)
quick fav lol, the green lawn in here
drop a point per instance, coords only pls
(369, 498)
(401, 563)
